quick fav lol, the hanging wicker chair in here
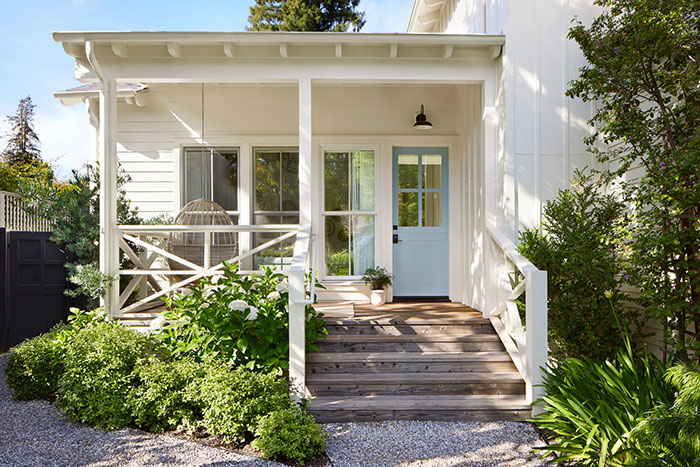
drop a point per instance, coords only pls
(190, 245)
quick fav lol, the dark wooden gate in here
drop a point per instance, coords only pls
(34, 279)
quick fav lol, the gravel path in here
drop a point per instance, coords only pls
(432, 444)
(34, 433)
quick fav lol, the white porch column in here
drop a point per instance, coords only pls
(297, 307)
(109, 248)
(305, 206)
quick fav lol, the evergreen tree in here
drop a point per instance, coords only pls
(306, 15)
(23, 144)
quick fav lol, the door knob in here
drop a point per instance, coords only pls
(396, 238)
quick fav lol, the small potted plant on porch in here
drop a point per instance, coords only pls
(378, 279)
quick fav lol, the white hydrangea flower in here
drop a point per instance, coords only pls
(209, 290)
(238, 305)
(253, 314)
(282, 286)
(274, 295)
(157, 323)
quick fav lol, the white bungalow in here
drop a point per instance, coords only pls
(303, 136)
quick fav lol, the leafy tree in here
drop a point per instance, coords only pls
(306, 15)
(575, 246)
(23, 144)
(643, 72)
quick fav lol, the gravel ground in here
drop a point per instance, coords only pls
(34, 433)
(432, 444)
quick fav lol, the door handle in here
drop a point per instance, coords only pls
(396, 238)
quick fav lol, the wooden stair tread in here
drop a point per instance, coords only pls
(431, 402)
(410, 338)
(413, 320)
(414, 378)
(418, 357)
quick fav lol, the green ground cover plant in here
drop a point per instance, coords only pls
(34, 368)
(99, 374)
(289, 434)
(160, 399)
(234, 400)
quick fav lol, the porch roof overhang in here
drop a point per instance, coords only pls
(130, 92)
(277, 56)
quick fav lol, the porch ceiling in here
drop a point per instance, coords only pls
(125, 55)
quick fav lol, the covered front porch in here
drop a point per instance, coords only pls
(307, 143)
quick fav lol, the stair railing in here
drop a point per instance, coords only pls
(525, 342)
(302, 262)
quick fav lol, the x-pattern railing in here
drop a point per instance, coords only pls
(526, 344)
(142, 244)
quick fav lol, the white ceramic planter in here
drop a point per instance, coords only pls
(377, 297)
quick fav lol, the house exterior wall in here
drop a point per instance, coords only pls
(543, 129)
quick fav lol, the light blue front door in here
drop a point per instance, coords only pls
(420, 222)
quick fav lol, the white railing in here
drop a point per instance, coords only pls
(526, 343)
(145, 246)
(302, 262)
(15, 214)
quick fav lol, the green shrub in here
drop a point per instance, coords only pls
(34, 367)
(234, 400)
(158, 400)
(240, 319)
(592, 407)
(575, 246)
(670, 434)
(98, 376)
(36, 364)
(289, 434)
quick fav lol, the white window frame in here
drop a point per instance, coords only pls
(217, 147)
(377, 172)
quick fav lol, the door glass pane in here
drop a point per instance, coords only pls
(337, 233)
(336, 167)
(408, 209)
(225, 171)
(197, 174)
(289, 167)
(432, 171)
(361, 244)
(432, 209)
(408, 171)
(362, 188)
(267, 180)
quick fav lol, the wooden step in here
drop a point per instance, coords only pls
(408, 362)
(410, 319)
(423, 407)
(398, 384)
(366, 329)
(411, 343)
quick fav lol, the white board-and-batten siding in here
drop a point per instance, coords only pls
(543, 128)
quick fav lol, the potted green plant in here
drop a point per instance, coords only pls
(378, 279)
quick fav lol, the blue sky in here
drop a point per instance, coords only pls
(31, 63)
